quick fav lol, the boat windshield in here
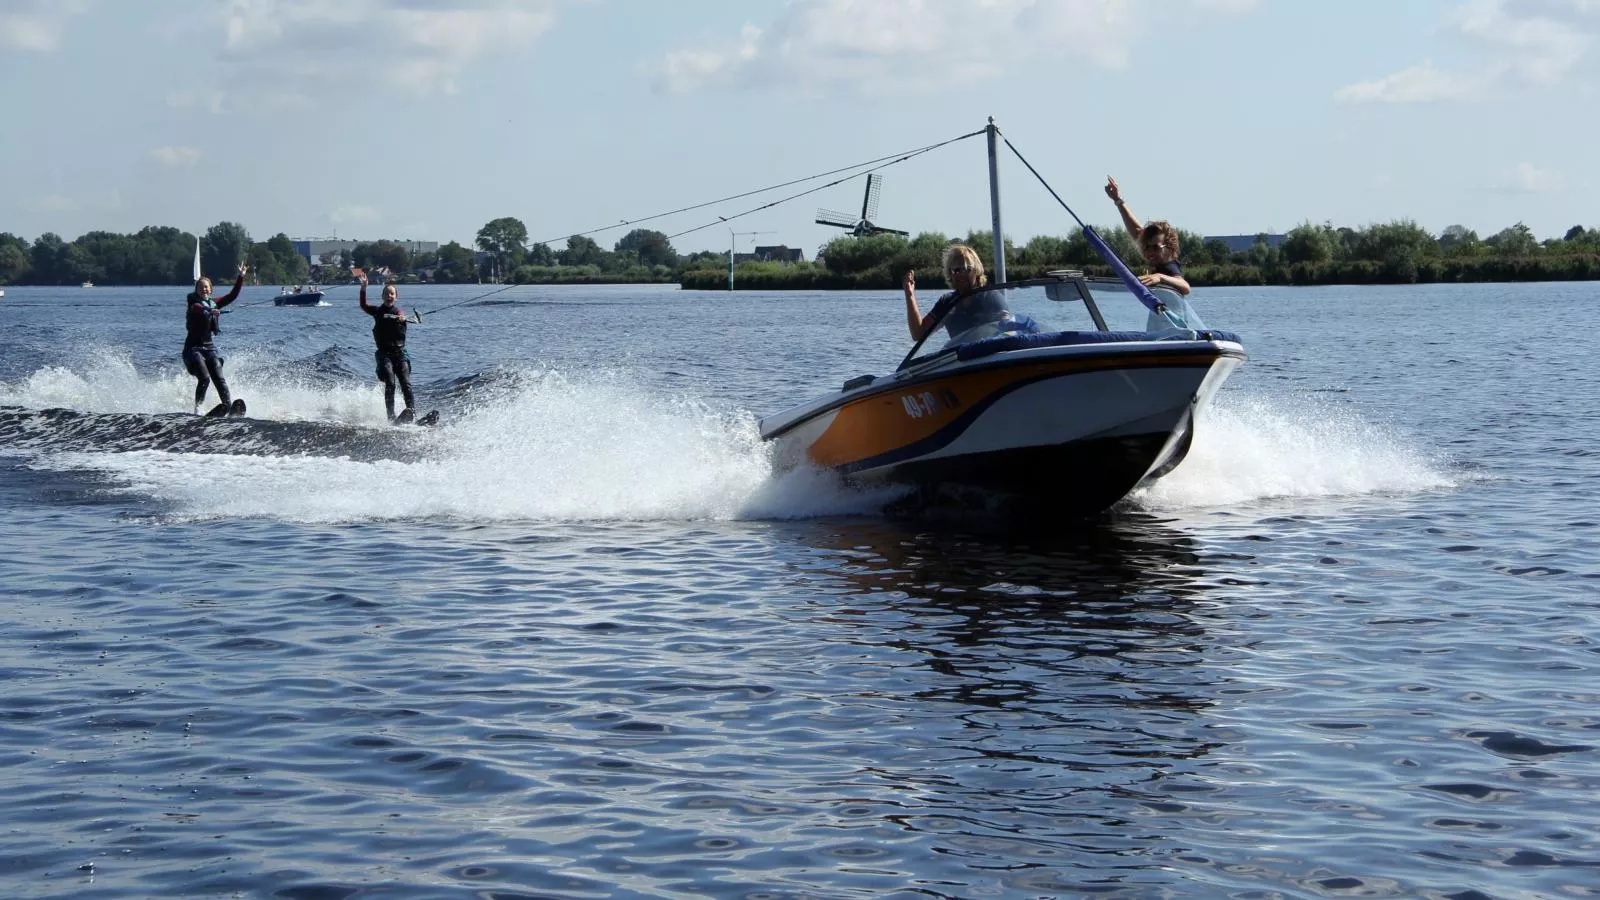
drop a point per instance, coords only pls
(1060, 304)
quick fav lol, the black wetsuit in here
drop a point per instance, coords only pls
(199, 354)
(394, 364)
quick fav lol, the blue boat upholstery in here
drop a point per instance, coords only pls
(1005, 342)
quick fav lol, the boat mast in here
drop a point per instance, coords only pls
(994, 206)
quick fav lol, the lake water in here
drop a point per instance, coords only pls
(578, 641)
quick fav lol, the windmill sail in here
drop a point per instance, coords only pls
(197, 258)
(869, 203)
(833, 217)
(863, 225)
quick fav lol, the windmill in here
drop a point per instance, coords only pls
(863, 226)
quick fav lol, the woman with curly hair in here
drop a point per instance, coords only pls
(1157, 240)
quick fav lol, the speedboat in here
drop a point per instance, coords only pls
(1073, 395)
(298, 297)
(1060, 396)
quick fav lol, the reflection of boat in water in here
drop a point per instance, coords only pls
(1067, 394)
(298, 297)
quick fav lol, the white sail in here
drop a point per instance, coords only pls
(197, 258)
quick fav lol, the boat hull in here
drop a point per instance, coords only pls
(311, 298)
(1065, 430)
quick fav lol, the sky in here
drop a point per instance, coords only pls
(424, 119)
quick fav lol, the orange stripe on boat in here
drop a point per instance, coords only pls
(892, 419)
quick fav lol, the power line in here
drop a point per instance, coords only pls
(893, 157)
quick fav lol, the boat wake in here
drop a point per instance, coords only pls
(1251, 449)
(529, 446)
(546, 446)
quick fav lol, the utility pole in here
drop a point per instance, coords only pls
(733, 237)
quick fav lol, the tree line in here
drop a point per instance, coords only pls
(1389, 253)
(1394, 252)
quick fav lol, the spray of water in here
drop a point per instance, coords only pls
(1249, 449)
(551, 447)
(108, 382)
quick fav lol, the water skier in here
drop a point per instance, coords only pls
(202, 321)
(389, 333)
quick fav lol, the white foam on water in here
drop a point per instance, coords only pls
(549, 448)
(1255, 448)
(110, 383)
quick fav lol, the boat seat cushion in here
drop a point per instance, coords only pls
(1005, 342)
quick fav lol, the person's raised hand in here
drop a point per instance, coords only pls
(1112, 190)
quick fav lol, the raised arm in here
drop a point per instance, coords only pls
(362, 297)
(238, 285)
(1129, 221)
(914, 321)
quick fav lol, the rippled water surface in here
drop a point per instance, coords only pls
(579, 641)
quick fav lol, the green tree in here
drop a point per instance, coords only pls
(580, 251)
(456, 264)
(386, 253)
(294, 267)
(225, 245)
(653, 247)
(1517, 240)
(1217, 252)
(1044, 250)
(506, 238)
(541, 255)
(1458, 240)
(13, 258)
(1378, 242)
(851, 255)
(162, 255)
(1308, 243)
(47, 259)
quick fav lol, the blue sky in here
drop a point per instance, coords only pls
(424, 119)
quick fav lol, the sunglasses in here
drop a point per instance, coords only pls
(954, 270)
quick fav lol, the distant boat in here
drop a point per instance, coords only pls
(87, 284)
(197, 258)
(298, 297)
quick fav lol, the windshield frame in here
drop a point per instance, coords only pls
(1079, 285)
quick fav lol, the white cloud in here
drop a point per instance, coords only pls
(176, 157)
(1539, 41)
(1523, 44)
(296, 51)
(925, 44)
(1526, 178)
(1418, 84)
(36, 25)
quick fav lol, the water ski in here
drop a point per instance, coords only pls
(408, 416)
(236, 408)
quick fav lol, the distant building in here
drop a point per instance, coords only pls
(1238, 243)
(777, 253)
(315, 249)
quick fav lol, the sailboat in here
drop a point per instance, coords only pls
(197, 258)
